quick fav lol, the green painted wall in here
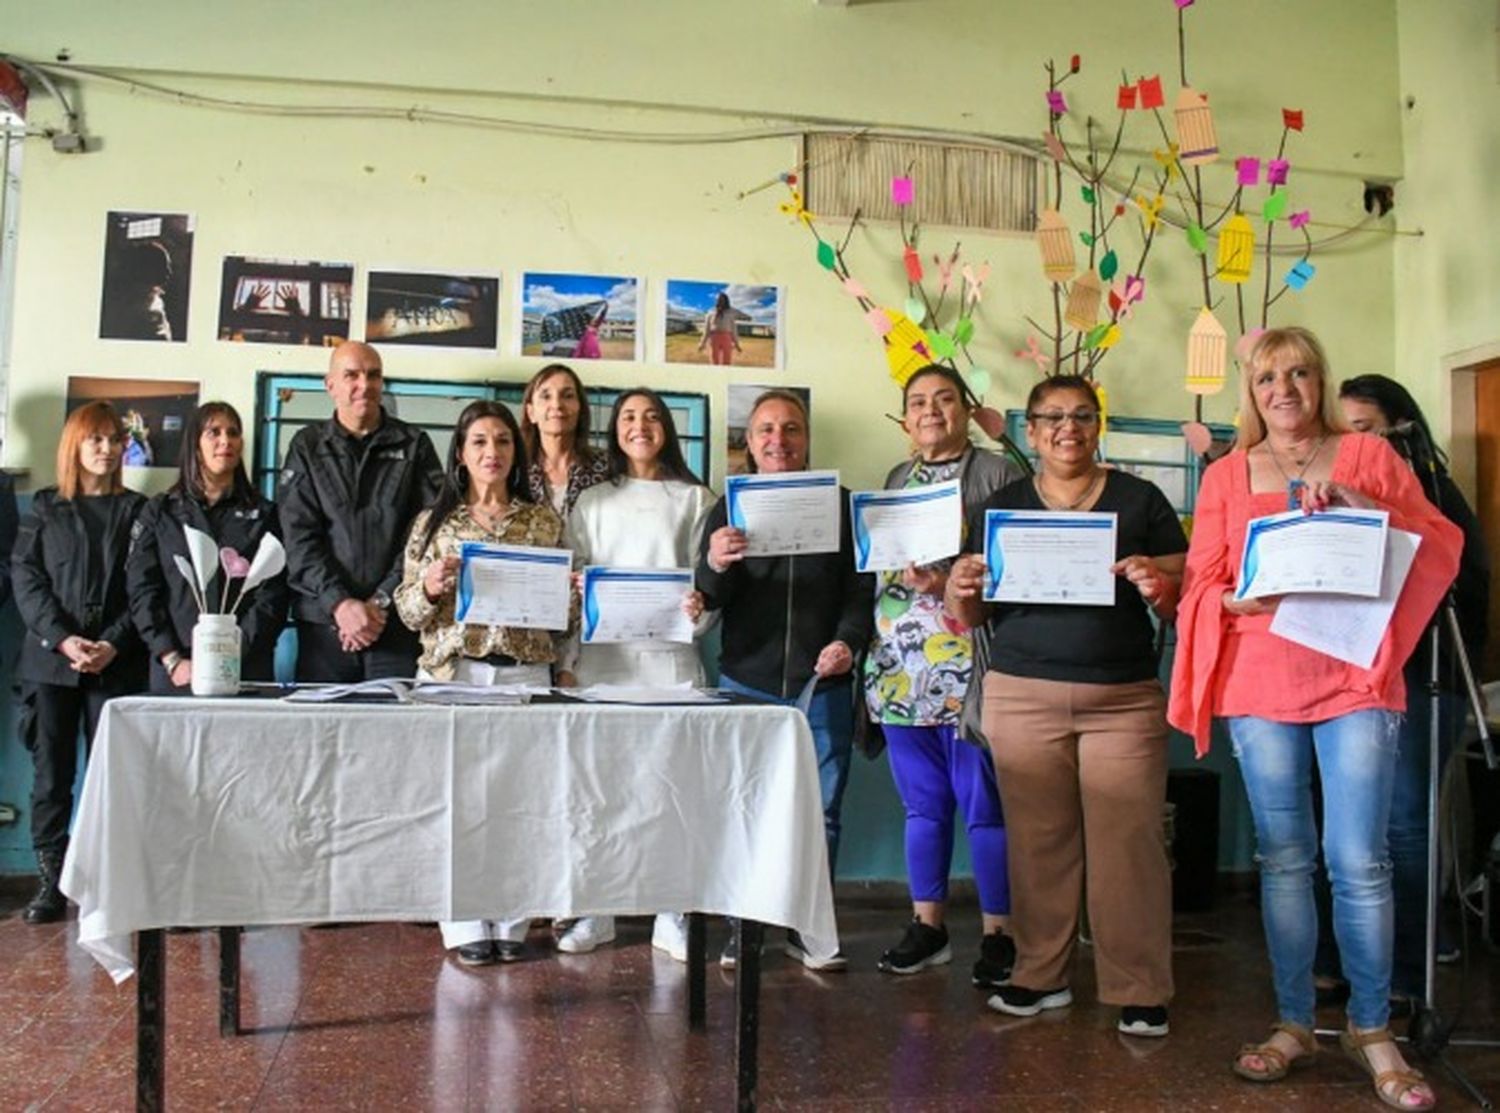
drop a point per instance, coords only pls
(395, 192)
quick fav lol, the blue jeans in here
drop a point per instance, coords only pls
(1356, 757)
(831, 719)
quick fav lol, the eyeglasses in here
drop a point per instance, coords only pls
(1084, 419)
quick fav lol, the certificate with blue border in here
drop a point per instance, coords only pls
(785, 513)
(1049, 556)
(636, 605)
(1330, 552)
(513, 585)
(916, 525)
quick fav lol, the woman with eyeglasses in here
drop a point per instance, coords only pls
(80, 648)
(1289, 707)
(1076, 721)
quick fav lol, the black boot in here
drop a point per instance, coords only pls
(49, 905)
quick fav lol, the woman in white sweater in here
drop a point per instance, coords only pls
(648, 514)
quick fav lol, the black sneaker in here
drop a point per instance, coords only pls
(509, 950)
(997, 954)
(1143, 1020)
(1019, 1001)
(920, 947)
(795, 949)
(481, 953)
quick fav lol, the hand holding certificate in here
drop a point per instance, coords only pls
(1332, 552)
(514, 585)
(918, 525)
(636, 605)
(785, 513)
(1053, 556)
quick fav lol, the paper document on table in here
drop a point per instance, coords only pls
(1330, 552)
(472, 695)
(631, 693)
(636, 605)
(1348, 627)
(514, 585)
(1049, 556)
(392, 689)
(917, 525)
(785, 513)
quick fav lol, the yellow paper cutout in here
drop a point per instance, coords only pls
(1056, 243)
(1195, 129)
(1207, 354)
(1110, 338)
(907, 348)
(1103, 396)
(1236, 249)
(1150, 210)
(1083, 301)
(1167, 159)
(795, 208)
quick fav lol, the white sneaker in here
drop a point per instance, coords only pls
(670, 934)
(586, 934)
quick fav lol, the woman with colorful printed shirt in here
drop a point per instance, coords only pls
(916, 676)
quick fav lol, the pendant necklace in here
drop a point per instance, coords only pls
(1088, 493)
(1295, 483)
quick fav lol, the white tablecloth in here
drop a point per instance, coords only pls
(215, 812)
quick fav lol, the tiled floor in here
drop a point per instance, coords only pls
(372, 1017)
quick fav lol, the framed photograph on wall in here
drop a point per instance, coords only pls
(727, 324)
(426, 309)
(154, 412)
(148, 267)
(284, 301)
(580, 316)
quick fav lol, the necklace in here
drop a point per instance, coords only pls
(1088, 493)
(487, 517)
(1295, 483)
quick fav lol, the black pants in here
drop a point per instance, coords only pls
(54, 755)
(322, 660)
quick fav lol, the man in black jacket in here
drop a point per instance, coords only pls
(789, 619)
(350, 488)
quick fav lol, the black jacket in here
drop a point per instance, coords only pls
(161, 602)
(345, 513)
(9, 523)
(50, 571)
(779, 612)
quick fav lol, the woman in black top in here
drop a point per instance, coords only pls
(68, 571)
(212, 494)
(1076, 721)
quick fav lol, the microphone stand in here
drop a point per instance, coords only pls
(1429, 1034)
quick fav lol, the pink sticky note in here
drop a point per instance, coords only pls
(1248, 170)
(901, 191)
(1276, 171)
(1055, 102)
(1297, 220)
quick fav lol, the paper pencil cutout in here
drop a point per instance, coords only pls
(1125, 98)
(906, 348)
(1276, 171)
(1236, 249)
(1207, 354)
(1195, 128)
(1056, 243)
(1084, 296)
(1151, 94)
(1247, 171)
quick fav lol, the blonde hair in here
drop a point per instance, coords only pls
(86, 421)
(1309, 352)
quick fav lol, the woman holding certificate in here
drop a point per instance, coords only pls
(648, 514)
(561, 464)
(916, 683)
(483, 498)
(1288, 706)
(1073, 710)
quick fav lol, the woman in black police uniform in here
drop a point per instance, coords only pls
(80, 648)
(212, 494)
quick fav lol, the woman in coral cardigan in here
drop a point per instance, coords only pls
(1287, 706)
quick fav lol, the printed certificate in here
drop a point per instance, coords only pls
(514, 585)
(787, 513)
(1049, 556)
(636, 605)
(1331, 552)
(917, 525)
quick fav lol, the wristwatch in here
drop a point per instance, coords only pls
(170, 661)
(382, 600)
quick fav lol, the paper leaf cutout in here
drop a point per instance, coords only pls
(1087, 238)
(1198, 142)
(1300, 275)
(916, 309)
(1110, 338)
(827, 257)
(1236, 249)
(1088, 195)
(1274, 207)
(1151, 94)
(269, 560)
(1243, 345)
(1108, 266)
(1084, 296)
(854, 289)
(204, 555)
(913, 263)
(1276, 171)
(992, 421)
(1057, 104)
(1198, 436)
(980, 380)
(963, 330)
(1096, 334)
(1207, 354)
(942, 345)
(1033, 351)
(1055, 147)
(1125, 98)
(1291, 119)
(234, 565)
(902, 191)
(1056, 244)
(1299, 219)
(1247, 171)
(1197, 238)
(879, 320)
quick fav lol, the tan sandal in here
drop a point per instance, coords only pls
(1277, 1064)
(1405, 1081)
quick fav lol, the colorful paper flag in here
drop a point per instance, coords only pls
(1056, 102)
(1151, 94)
(902, 191)
(1247, 171)
(1276, 171)
(1291, 119)
(1301, 274)
(913, 263)
(1299, 219)
(1125, 98)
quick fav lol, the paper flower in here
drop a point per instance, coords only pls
(234, 565)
